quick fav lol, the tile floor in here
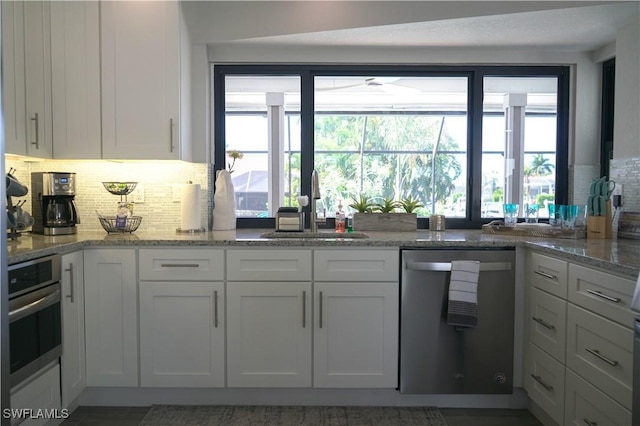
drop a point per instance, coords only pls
(132, 416)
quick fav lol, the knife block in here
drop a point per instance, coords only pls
(599, 227)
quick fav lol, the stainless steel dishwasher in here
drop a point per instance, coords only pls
(437, 358)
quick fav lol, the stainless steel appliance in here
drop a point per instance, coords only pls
(438, 358)
(34, 316)
(52, 198)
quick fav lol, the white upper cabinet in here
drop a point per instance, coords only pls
(37, 42)
(27, 78)
(14, 109)
(75, 79)
(140, 44)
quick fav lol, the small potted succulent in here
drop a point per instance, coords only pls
(409, 205)
(362, 204)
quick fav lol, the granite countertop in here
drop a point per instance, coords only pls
(620, 256)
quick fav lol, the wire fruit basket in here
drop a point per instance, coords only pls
(130, 225)
(120, 188)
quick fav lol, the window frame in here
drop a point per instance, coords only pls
(475, 76)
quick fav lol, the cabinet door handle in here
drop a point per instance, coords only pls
(171, 135)
(215, 308)
(597, 354)
(71, 283)
(544, 274)
(179, 265)
(36, 142)
(304, 309)
(589, 422)
(542, 383)
(543, 323)
(604, 296)
(320, 313)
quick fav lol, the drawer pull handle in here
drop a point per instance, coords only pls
(71, 295)
(543, 323)
(179, 265)
(304, 309)
(36, 142)
(215, 308)
(589, 422)
(171, 135)
(544, 274)
(320, 313)
(539, 380)
(604, 296)
(597, 354)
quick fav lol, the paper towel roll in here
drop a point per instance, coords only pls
(190, 207)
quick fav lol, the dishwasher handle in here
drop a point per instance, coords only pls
(446, 266)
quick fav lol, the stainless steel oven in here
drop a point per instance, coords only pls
(35, 337)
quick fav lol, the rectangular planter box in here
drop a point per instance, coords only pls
(385, 222)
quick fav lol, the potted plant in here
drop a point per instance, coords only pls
(409, 205)
(388, 205)
(362, 204)
(383, 216)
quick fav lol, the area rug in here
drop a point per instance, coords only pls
(252, 415)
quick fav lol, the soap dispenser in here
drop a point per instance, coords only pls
(340, 225)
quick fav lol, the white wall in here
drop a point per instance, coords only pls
(626, 133)
(223, 21)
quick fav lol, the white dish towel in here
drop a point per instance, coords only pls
(462, 310)
(224, 203)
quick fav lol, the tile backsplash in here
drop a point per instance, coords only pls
(625, 172)
(160, 180)
(161, 207)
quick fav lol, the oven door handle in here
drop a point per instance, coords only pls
(34, 306)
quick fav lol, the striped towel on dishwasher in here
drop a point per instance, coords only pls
(462, 308)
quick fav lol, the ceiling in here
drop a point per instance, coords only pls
(571, 29)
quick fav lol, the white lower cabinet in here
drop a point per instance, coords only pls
(601, 351)
(586, 405)
(72, 360)
(544, 382)
(111, 317)
(579, 359)
(38, 394)
(355, 342)
(269, 334)
(181, 334)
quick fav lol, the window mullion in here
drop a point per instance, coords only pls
(275, 120)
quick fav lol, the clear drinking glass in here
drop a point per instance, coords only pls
(510, 214)
(581, 216)
(570, 215)
(531, 213)
(553, 219)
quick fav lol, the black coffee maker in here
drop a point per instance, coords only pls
(52, 198)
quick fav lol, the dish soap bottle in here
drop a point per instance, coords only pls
(340, 225)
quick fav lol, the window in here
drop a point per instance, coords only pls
(441, 135)
(519, 143)
(392, 138)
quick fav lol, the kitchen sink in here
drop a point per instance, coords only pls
(315, 235)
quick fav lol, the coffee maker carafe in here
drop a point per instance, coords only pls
(54, 209)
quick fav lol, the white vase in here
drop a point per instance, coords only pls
(224, 203)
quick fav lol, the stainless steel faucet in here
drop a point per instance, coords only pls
(315, 195)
